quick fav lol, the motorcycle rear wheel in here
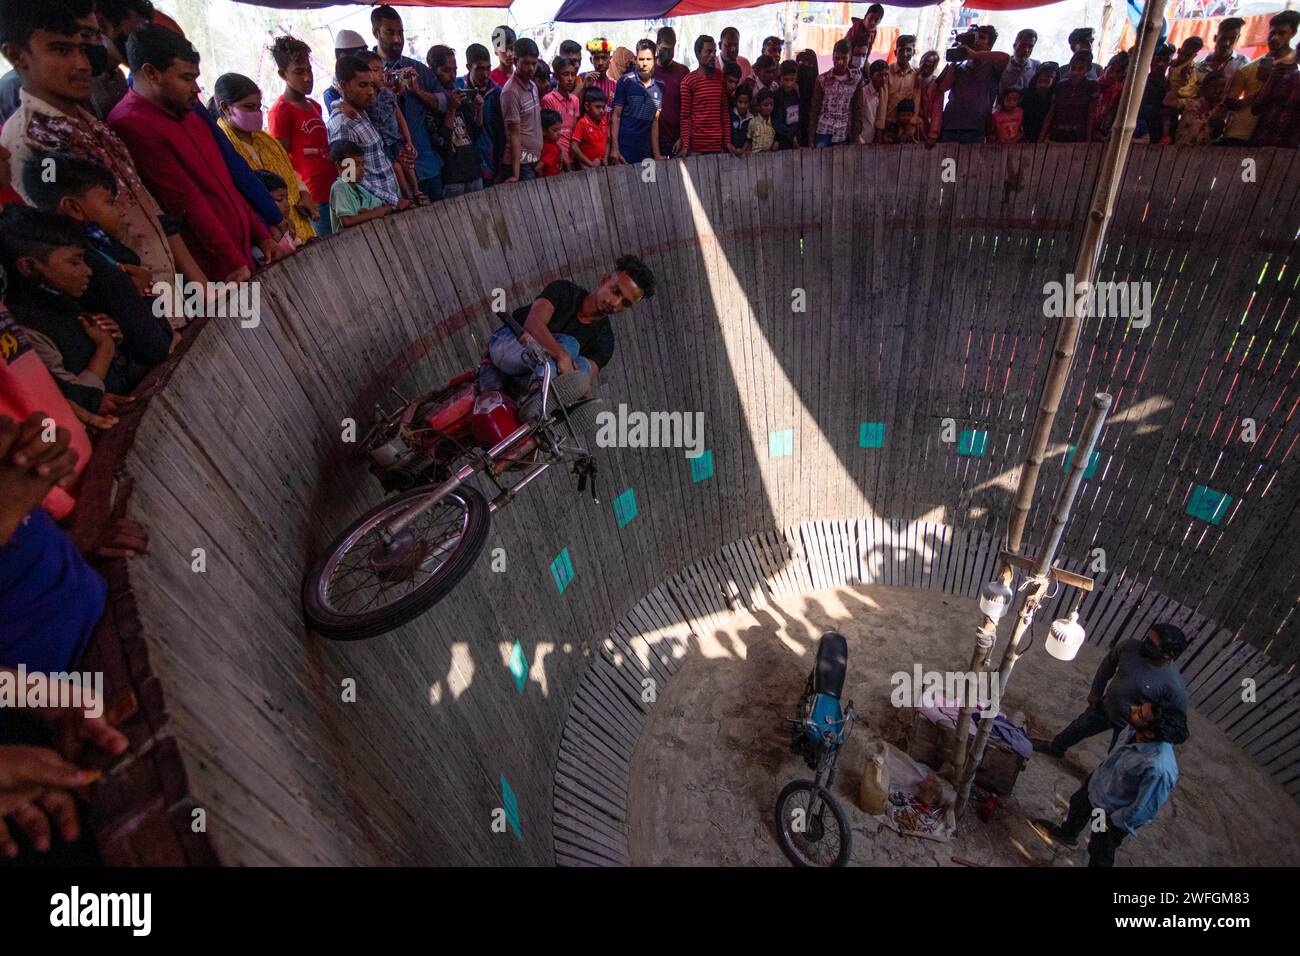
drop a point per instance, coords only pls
(449, 536)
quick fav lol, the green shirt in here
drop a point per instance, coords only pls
(348, 199)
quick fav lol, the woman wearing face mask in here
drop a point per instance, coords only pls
(237, 104)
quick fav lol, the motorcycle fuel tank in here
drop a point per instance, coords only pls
(494, 418)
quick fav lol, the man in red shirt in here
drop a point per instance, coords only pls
(180, 161)
(670, 73)
(704, 120)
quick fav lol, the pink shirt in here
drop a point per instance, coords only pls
(570, 108)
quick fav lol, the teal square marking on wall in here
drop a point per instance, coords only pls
(1092, 463)
(702, 467)
(518, 665)
(562, 570)
(1208, 504)
(780, 444)
(625, 507)
(871, 435)
(973, 443)
(510, 804)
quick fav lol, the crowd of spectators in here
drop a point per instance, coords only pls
(118, 182)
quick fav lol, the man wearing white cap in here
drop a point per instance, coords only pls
(346, 42)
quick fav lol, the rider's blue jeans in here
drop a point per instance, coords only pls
(508, 355)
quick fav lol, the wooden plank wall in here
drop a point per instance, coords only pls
(924, 303)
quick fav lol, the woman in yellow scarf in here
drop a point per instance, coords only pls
(237, 104)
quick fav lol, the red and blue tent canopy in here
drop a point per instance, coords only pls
(587, 11)
(321, 4)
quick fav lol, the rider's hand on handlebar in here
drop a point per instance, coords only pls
(565, 363)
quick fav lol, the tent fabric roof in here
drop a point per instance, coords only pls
(321, 4)
(586, 11)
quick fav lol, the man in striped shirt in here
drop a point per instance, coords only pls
(704, 103)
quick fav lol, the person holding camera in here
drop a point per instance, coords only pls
(971, 77)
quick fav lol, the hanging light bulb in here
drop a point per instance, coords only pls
(995, 600)
(1066, 638)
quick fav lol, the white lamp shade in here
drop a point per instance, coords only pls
(1066, 638)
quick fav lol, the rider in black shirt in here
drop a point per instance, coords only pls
(571, 325)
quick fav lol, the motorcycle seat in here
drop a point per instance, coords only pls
(832, 663)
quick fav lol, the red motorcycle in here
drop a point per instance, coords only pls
(404, 555)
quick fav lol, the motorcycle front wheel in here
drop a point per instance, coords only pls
(812, 835)
(363, 586)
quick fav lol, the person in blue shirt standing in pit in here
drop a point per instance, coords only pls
(638, 101)
(1130, 786)
(417, 90)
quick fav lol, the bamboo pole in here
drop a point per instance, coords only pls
(1041, 576)
(1085, 268)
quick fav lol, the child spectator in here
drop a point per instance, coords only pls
(1070, 118)
(565, 101)
(906, 128)
(359, 90)
(869, 96)
(738, 145)
(550, 163)
(834, 118)
(1080, 41)
(45, 253)
(279, 191)
(762, 137)
(787, 108)
(1182, 81)
(1202, 116)
(387, 116)
(1007, 123)
(590, 143)
(1182, 70)
(1110, 89)
(731, 82)
(1150, 125)
(1037, 101)
(298, 125)
(237, 102)
(351, 202)
(119, 286)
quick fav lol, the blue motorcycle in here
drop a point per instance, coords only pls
(810, 822)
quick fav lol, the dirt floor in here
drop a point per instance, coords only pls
(712, 756)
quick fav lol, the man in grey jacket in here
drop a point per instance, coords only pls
(1133, 671)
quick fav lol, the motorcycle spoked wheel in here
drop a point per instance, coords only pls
(452, 532)
(827, 840)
